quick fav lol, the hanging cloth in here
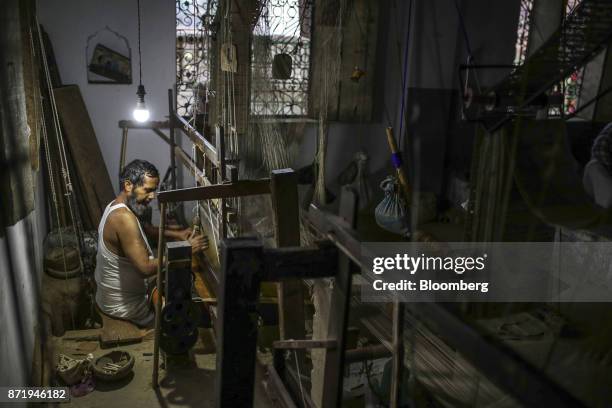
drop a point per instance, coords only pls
(391, 214)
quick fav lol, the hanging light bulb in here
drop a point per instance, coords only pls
(141, 112)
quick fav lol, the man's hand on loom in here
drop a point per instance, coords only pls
(185, 234)
(198, 243)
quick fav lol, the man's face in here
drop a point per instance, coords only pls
(140, 196)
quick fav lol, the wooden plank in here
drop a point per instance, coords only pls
(238, 189)
(132, 124)
(117, 331)
(283, 185)
(79, 133)
(82, 335)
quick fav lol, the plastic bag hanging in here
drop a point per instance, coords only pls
(391, 214)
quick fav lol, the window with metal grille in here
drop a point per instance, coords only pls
(522, 32)
(194, 20)
(280, 61)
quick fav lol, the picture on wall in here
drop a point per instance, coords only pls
(109, 66)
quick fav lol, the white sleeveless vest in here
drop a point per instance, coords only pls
(121, 289)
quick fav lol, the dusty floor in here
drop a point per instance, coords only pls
(186, 383)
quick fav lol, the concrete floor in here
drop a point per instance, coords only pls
(186, 383)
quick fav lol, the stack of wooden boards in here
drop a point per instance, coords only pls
(90, 179)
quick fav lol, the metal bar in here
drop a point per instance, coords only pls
(304, 344)
(237, 189)
(160, 255)
(131, 124)
(124, 138)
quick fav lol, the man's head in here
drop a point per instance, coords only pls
(139, 181)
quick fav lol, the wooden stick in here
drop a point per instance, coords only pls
(158, 304)
(401, 175)
(124, 136)
(398, 353)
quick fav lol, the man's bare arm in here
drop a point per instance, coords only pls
(133, 245)
(180, 234)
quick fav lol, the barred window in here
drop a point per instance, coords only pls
(522, 32)
(280, 63)
(193, 28)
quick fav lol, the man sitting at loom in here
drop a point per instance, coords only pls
(125, 261)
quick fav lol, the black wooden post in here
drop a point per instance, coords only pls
(171, 121)
(242, 268)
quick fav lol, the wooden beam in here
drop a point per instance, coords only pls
(158, 303)
(131, 124)
(196, 138)
(172, 138)
(162, 135)
(238, 189)
(367, 353)
(236, 329)
(191, 166)
(289, 264)
(283, 185)
(327, 391)
(304, 344)
(124, 138)
(398, 353)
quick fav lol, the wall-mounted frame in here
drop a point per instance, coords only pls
(108, 58)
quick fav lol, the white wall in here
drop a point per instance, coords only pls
(70, 22)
